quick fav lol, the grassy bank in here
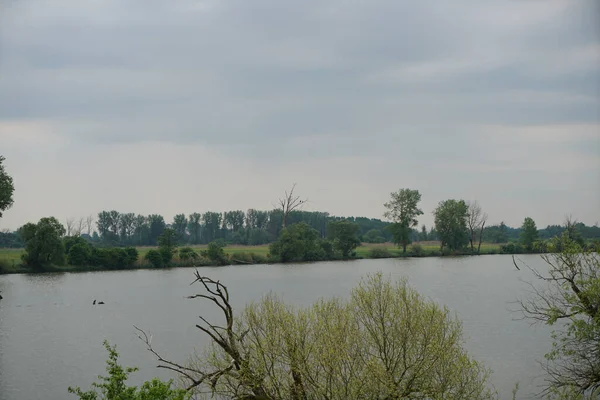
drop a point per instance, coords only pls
(10, 259)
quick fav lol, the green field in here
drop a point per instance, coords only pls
(12, 257)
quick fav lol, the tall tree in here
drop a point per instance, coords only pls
(179, 226)
(344, 235)
(194, 227)
(529, 233)
(127, 227)
(212, 225)
(43, 242)
(103, 224)
(7, 188)
(289, 203)
(403, 210)
(451, 223)
(157, 226)
(140, 227)
(476, 222)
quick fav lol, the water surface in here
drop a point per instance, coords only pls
(51, 335)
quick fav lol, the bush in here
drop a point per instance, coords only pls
(132, 256)
(187, 255)
(416, 249)
(512, 248)
(339, 349)
(79, 254)
(215, 253)
(113, 386)
(242, 257)
(154, 258)
(379, 252)
(327, 247)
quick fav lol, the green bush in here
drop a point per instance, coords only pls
(241, 257)
(79, 254)
(416, 249)
(187, 255)
(512, 248)
(154, 258)
(215, 253)
(113, 386)
(379, 252)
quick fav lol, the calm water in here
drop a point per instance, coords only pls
(51, 335)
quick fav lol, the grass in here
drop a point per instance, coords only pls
(10, 259)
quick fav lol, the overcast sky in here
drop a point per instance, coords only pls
(183, 106)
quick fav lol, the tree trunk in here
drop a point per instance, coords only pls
(480, 237)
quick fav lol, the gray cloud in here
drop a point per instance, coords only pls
(444, 90)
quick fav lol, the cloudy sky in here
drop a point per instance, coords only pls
(182, 106)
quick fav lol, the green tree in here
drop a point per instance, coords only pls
(297, 242)
(529, 233)
(79, 254)
(374, 236)
(180, 224)
(114, 386)
(385, 342)
(167, 245)
(451, 224)
(344, 235)
(570, 300)
(7, 188)
(215, 253)
(403, 210)
(194, 227)
(187, 255)
(43, 243)
(157, 225)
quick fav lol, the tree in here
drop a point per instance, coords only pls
(529, 233)
(374, 236)
(156, 224)
(297, 242)
(155, 258)
(167, 245)
(344, 235)
(385, 342)
(403, 210)
(126, 227)
(570, 300)
(289, 203)
(476, 220)
(7, 188)
(180, 223)
(194, 227)
(43, 243)
(451, 224)
(113, 386)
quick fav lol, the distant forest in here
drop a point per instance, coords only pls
(254, 227)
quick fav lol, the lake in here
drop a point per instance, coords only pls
(51, 335)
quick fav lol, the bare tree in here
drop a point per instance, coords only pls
(78, 227)
(89, 224)
(70, 224)
(568, 296)
(476, 222)
(289, 203)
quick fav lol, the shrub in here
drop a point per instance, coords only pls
(113, 386)
(416, 249)
(79, 254)
(242, 257)
(379, 252)
(154, 258)
(215, 253)
(327, 247)
(187, 255)
(132, 256)
(512, 248)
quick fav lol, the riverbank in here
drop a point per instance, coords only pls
(10, 259)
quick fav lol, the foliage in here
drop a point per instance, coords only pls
(43, 243)
(344, 236)
(187, 254)
(403, 210)
(379, 252)
(529, 233)
(215, 253)
(114, 257)
(167, 245)
(569, 300)
(297, 242)
(79, 254)
(7, 188)
(155, 258)
(373, 236)
(451, 224)
(512, 248)
(385, 342)
(416, 249)
(114, 386)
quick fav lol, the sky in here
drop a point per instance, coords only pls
(188, 106)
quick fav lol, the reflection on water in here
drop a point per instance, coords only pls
(51, 334)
